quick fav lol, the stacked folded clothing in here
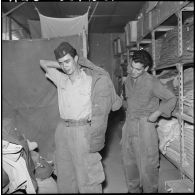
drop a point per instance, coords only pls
(188, 100)
(169, 47)
(189, 144)
(158, 45)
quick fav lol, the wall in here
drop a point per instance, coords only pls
(101, 53)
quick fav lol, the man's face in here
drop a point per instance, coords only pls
(68, 64)
(135, 69)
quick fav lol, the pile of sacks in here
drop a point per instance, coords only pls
(24, 170)
(169, 135)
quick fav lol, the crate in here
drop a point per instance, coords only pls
(140, 28)
(147, 23)
(117, 48)
(155, 21)
(131, 32)
(127, 42)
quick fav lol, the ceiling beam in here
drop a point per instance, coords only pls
(10, 11)
(26, 29)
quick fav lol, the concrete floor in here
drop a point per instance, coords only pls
(115, 179)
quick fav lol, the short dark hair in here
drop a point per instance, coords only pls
(143, 57)
(63, 49)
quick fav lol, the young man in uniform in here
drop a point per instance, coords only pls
(85, 96)
(140, 149)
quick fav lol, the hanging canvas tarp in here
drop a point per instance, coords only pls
(35, 29)
(58, 27)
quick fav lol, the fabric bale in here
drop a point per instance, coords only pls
(168, 131)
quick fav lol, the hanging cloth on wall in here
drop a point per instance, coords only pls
(35, 29)
(59, 27)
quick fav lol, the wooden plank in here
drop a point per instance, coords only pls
(146, 41)
(10, 11)
(158, 67)
(187, 118)
(164, 28)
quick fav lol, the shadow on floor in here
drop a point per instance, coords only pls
(114, 129)
(115, 122)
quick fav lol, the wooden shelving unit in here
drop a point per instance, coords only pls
(174, 18)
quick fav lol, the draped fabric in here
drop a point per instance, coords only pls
(58, 27)
(35, 29)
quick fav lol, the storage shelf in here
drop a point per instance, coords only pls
(168, 22)
(170, 65)
(174, 17)
(164, 28)
(185, 170)
(181, 60)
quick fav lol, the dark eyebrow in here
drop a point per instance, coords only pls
(136, 68)
(65, 61)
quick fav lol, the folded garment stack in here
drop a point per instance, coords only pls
(188, 100)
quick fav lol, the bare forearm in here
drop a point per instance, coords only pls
(49, 64)
(154, 116)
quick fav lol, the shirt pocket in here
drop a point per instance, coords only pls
(85, 92)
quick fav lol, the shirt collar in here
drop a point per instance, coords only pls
(65, 79)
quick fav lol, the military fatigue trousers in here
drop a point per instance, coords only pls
(78, 170)
(140, 155)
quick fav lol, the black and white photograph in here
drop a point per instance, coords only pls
(97, 97)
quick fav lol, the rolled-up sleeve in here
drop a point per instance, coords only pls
(167, 97)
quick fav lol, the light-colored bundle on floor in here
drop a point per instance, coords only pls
(168, 131)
